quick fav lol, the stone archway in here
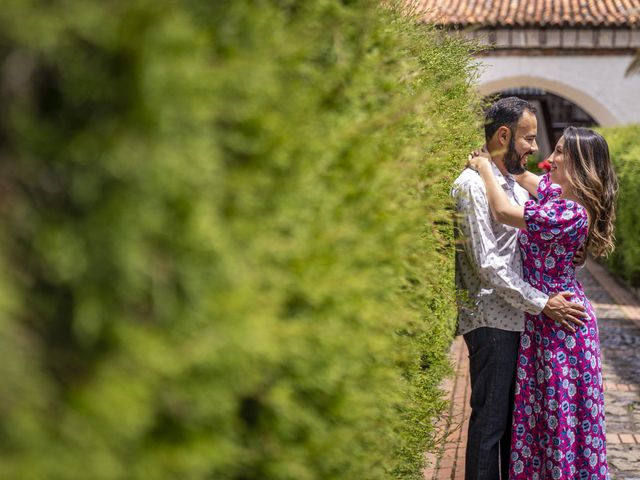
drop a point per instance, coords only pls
(581, 98)
(595, 83)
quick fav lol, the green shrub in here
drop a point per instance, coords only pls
(225, 244)
(624, 147)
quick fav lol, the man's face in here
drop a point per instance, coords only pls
(522, 144)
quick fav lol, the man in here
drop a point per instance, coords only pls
(493, 294)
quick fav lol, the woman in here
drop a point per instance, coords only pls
(558, 420)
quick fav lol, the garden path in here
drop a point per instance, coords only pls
(618, 313)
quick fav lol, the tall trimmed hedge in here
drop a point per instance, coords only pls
(225, 244)
(624, 147)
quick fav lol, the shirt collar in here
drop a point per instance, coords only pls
(503, 180)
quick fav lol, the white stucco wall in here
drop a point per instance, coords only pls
(595, 83)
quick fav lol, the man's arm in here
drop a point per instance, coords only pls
(580, 257)
(474, 220)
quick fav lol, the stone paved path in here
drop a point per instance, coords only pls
(619, 321)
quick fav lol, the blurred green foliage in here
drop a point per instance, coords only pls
(226, 245)
(624, 147)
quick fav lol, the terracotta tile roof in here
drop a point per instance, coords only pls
(548, 13)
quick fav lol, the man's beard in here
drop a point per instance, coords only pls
(512, 159)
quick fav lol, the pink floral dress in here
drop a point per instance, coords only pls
(558, 420)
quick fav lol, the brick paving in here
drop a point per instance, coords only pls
(618, 313)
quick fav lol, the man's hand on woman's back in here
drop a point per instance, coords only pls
(580, 257)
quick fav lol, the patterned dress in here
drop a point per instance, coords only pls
(558, 420)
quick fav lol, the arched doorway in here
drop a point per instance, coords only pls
(594, 102)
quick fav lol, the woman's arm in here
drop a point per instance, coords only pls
(529, 181)
(501, 208)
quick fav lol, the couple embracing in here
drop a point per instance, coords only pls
(537, 400)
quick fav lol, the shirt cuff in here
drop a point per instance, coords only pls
(537, 303)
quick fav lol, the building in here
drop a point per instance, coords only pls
(570, 57)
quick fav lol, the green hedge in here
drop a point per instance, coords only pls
(624, 147)
(225, 240)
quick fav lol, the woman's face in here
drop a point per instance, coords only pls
(557, 160)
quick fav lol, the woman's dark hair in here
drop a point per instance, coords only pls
(505, 112)
(594, 182)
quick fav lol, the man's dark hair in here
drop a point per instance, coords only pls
(505, 112)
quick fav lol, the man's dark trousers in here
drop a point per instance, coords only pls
(492, 363)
